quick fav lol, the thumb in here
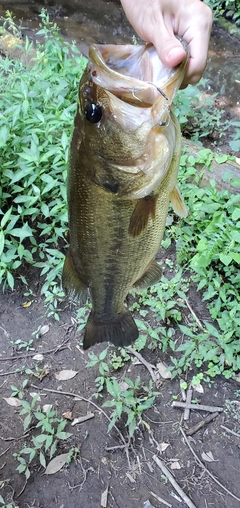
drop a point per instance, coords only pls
(170, 50)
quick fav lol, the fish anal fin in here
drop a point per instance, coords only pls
(151, 276)
(144, 210)
(71, 281)
(178, 204)
(121, 330)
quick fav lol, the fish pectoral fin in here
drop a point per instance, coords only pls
(178, 204)
(151, 276)
(121, 330)
(143, 211)
(71, 281)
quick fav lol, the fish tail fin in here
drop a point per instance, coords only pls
(71, 281)
(121, 330)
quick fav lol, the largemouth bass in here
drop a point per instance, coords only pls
(123, 167)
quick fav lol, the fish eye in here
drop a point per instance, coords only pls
(93, 112)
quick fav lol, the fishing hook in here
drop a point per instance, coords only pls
(159, 90)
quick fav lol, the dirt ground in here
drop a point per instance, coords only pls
(128, 470)
(206, 465)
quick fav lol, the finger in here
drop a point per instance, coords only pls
(169, 49)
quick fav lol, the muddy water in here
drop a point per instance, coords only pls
(103, 21)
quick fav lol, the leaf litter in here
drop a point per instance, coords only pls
(65, 375)
(57, 463)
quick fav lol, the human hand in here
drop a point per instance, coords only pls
(158, 21)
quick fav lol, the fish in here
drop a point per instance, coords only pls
(123, 167)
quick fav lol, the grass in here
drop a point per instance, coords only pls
(37, 105)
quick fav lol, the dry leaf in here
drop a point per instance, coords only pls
(68, 415)
(208, 456)
(43, 330)
(162, 369)
(33, 394)
(46, 407)
(25, 305)
(123, 386)
(82, 419)
(147, 504)
(39, 357)
(13, 401)
(41, 373)
(175, 465)
(238, 160)
(162, 446)
(57, 463)
(130, 477)
(64, 375)
(104, 497)
(198, 388)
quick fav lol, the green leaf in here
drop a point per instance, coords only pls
(22, 233)
(4, 135)
(236, 214)
(221, 158)
(63, 435)
(225, 258)
(2, 238)
(42, 459)
(6, 217)
(103, 354)
(40, 439)
(27, 421)
(10, 279)
(48, 443)
(235, 145)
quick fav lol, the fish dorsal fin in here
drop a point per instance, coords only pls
(143, 211)
(178, 204)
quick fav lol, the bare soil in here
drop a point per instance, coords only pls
(129, 472)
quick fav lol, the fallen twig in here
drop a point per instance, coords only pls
(205, 468)
(199, 407)
(5, 451)
(188, 401)
(82, 419)
(172, 480)
(201, 424)
(230, 431)
(193, 313)
(161, 500)
(113, 448)
(7, 373)
(29, 355)
(104, 498)
(148, 365)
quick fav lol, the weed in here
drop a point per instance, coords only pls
(4, 504)
(44, 443)
(131, 402)
(36, 112)
(103, 369)
(19, 344)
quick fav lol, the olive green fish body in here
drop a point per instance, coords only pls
(118, 197)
